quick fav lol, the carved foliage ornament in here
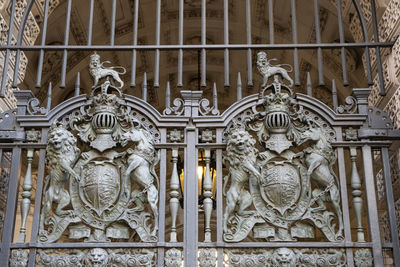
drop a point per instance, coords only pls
(285, 257)
(207, 258)
(363, 258)
(289, 181)
(173, 258)
(19, 258)
(112, 185)
(97, 257)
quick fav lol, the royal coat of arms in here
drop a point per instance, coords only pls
(284, 171)
(107, 188)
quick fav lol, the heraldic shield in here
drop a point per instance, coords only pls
(281, 185)
(100, 185)
(112, 184)
(285, 173)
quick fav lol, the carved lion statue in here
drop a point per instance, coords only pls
(267, 69)
(61, 155)
(98, 71)
(241, 155)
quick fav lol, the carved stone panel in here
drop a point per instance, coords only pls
(108, 188)
(285, 173)
(97, 257)
(285, 257)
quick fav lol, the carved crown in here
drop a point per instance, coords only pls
(94, 57)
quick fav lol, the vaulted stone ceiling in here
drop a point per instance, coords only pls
(78, 60)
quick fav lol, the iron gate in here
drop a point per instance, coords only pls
(285, 194)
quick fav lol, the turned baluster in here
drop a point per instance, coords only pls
(174, 194)
(208, 202)
(357, 200)
(26, 197)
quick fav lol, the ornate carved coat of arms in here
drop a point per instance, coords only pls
(287, 175)
(109, 186)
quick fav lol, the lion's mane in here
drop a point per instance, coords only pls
(236, 157)
(66, 153)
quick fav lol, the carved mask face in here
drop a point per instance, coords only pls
(284, 256)
(98, 257)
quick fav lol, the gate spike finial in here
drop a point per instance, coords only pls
(49, 97)
(144, 88)
(77, 84)
(168, 96)
(215, 97)
(239, 87)
(309, 86)
(334, 95)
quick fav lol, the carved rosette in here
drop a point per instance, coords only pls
(207, 258)
(19, 258)
(363, 258)
(111, 183)
(286, 174)
(173, 258)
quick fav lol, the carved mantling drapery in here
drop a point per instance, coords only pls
(286, 174)
(99, 193)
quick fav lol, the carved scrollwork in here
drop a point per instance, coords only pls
(177, 109)
(34, 108)
(349, 107)
(205, 108)
(97, 257)
(286, 174)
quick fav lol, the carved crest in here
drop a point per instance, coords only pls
(98, 71)
(108, 182)
(289, 176)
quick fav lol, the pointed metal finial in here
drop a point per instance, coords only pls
(239, 87)
(144, 87)
(334, 95)
(168, 96)
(78, 84)
(49, 97)
(215, 97)
(309, 86)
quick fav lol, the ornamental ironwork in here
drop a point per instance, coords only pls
(121, 178)
(109, 182)
(279, 175)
